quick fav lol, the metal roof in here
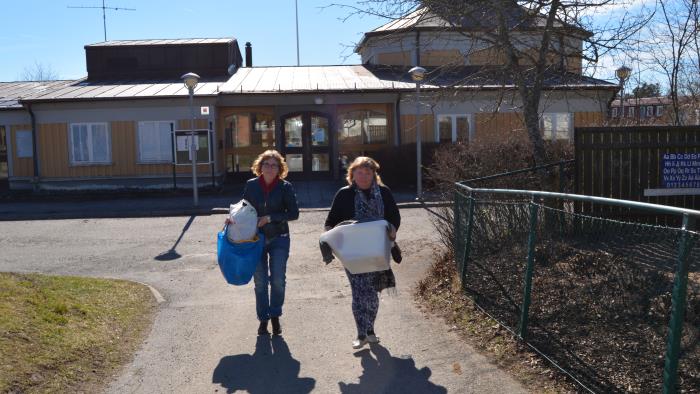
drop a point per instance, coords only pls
(102, 90)
(383, 78)
(12, 92)
(153, 42)
(477, 19)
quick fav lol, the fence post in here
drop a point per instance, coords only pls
(456, 232)
(527, 287)
(467, 241)
(678, 305)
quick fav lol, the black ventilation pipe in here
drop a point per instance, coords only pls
(248, 55)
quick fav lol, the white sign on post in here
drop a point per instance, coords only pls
(183, 143)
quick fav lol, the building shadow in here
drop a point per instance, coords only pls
(270, 369)
(383, 373)
(172, 253)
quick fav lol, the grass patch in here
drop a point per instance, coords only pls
(440, 293)
(67, 334)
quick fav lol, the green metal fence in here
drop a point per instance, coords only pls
(614, 304)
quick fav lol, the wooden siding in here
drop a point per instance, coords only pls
(493, 56)
(588, 119)
(496, 126)
(441, 58)
(404, 58)
(408, 128)
(54, 154)
(21, 167)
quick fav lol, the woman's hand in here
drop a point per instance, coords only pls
(391, 232)
(263, 220)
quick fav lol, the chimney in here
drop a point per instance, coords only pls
(248, 55)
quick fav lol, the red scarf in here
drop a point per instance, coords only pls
(265, 187)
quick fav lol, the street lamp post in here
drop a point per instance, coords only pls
(622, 74)
(418, 74)
(191, 80)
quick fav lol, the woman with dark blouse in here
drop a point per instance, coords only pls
(364, 198)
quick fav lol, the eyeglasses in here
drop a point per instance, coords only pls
(270, 165)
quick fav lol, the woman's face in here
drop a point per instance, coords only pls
(270, 168)
(363, 177)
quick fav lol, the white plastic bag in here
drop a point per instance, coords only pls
(361, 247)
(244, 222)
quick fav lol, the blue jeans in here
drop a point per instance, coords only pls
(271, 272)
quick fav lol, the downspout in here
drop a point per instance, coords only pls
(35, 158)
(397, 119)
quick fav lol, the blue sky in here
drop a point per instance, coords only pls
(48, 32)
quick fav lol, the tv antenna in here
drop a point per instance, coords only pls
(104, 14)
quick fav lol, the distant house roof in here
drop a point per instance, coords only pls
(12, 92)
(109, 90)
(644, 101)
(291, 79)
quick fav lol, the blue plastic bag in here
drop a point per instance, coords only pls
(238, 261)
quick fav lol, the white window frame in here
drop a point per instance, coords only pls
(140, 159)
(90, 160)
(630, 112)
(659, 110)
(614, 112)
(553, 134)
(650, 111)
(470, 122)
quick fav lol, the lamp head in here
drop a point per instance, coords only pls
(417, 73)
(623, 73)
(191, 80)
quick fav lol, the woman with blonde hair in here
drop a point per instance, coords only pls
(276, 204)
(364, 198)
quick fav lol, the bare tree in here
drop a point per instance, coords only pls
(530, 41)
(38, 72)
(671, 39)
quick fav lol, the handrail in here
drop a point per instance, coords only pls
(483, 178)
(578, 197)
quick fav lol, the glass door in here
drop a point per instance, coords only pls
(307, 145)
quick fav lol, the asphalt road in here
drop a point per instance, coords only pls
(204, 336)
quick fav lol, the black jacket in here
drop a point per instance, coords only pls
(343, 207)
(280, 204)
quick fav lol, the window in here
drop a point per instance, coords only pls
(556, 125)
(23, 144)
(659, 110)
(90, 143)
(451, 128)
(630, 112)
(650, 111)
(246, 135)
(362, 127)
(614, 112)
(155, 141)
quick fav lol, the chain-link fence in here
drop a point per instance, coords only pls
(616, 305)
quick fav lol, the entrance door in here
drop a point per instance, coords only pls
(307, 145)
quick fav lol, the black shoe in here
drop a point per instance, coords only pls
(262, 329)
(396, 253)
(276, 328)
